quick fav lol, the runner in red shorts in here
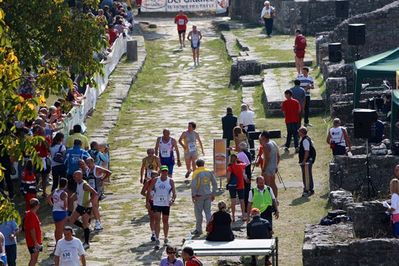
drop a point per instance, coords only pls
(299, 50)
(181, 20)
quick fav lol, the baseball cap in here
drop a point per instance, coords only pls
(164, 168)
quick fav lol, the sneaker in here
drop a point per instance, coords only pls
(165, 242)
(98, 226)
(188, 172)
(286, 149)
(311, 192)
(196, 232)
(181, 47)
(296, 150)
(157, 244)
(86, 245)
(305, 194)
(184, 45)
(307, 125)
(153, 238)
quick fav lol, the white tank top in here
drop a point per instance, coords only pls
(3, 245)
(337, 136)
(83, 196)
(195, 38)
(58, 203)
(162, 190)
(165, 149)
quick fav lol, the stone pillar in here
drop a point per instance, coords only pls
(335, 86)
(131, 50)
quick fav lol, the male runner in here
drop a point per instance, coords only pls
(149, 165)
(95, 175)
(150, 209)
(195, 37)
(188, 140)
(299, 50)
(166, 145)
(85, 196)
(164, 195)
(181, 20)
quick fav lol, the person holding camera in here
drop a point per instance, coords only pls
(33, 232)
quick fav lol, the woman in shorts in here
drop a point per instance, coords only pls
(59, 200)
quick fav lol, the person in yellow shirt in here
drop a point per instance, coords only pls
(77, 134)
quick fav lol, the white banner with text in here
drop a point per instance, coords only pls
(218, 6)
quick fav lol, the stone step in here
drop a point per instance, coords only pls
(251, 80)
(284, 64)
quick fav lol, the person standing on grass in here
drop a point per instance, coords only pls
(188, 140)
(58, 199)
(235, 184)
(307, 157)
(299, 94)
(33, 232)
(271, 160)
(195, 37)
(244, 156)
(307, 83)
(268, 13)
(69, 250)
(181, 20)
(57, 151)
(202, 194)
(10, 229)
(299, 50)
(247, 123)
(292, 110)
(149, 164)
(229, 121)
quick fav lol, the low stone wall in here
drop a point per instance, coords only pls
(350, 172)
(335, 245)
(244, 66)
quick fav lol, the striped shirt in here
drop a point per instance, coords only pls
(305, 82)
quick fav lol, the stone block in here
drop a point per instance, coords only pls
(251, 80)
(244, 66)
(340, 199)
(335, 86)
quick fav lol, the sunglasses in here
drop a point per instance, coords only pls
(170, 252)
(164, 170)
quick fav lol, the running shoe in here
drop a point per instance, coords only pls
(86, 245)
(157, 244)
(98, 226)
(153, 238)
(187, 174)
(165, 242)
(196, 232)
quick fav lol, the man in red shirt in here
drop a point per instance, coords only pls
(299, 50)
(235, 184)
(33, 232)
(181, 20)
(292, 110)
(188, 256)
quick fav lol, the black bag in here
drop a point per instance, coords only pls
(59, 156)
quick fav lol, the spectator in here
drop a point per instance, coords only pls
(244, 156)
(338, 138)
(189, 258)
(10, 229)
(69, 250)
(3, 256)
(262, 198)
(291, 109)
(72, 158)
(7, 164)
(113, 34)
(235, 184)
(299, 94)
(394, 207)
(229, 121)
(202, 194)
(259, 228)
(307, 84)
(171, 259)
(268, 13)
(28, 183)
(77, 134)
(271, 160)
(221, 225)
(246, 122)
(299, 50)
(33, 232)
(239, 137)
(98, 157)
(307, 157)
(57, 151)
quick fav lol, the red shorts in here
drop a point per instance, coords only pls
(300, 54)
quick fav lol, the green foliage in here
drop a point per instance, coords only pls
(8, 211)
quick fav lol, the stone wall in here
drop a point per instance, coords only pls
(335, 245)
(310, 16)
(381, 32)
(349, 172)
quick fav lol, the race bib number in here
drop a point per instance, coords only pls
(192, 147)
(181, 22)
(165, 153)
(160, 199)
(92, 183)
(149, 173)
(66, 255)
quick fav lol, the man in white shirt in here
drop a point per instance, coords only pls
(69, 250)
(246, 122)
(267, 15)
(307, 84)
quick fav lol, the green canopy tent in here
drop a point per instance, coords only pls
(384, 66)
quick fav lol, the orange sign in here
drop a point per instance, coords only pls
(220, 157)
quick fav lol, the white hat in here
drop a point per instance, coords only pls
(267, 2)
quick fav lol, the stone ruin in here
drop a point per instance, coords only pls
(365, 240)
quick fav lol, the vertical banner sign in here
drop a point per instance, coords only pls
(397, 79)
(220, 158)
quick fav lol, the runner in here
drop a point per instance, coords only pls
(181, 20)
(69, 250)
(150, 209)
(166, 145)
(59, 200)
(195, 37)
(149, 165)
(95, 176)
(85, 196)
(163, 187)
(188, 140)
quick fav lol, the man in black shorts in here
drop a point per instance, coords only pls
(164, 195)
(181, 20)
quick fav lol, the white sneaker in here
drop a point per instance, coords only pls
(98, 226)
(86, 245)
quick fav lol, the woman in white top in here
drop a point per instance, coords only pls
(338, 139)
(394, 208)
(195, 37)
(58, 199)
(57, 151)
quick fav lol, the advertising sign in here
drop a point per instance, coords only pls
(175, 6)
(220, 157)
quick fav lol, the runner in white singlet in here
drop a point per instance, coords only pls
(59, 200)
(166, 145)
(195, 37)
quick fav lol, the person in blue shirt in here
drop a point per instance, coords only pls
(72, 157)
(10, 229)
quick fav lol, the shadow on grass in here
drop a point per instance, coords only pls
(299, 201)
(150, 252)
(287, 155)
(142, 220)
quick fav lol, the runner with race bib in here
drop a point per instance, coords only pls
(166, 145)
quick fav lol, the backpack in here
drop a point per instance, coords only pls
(59, 156)
(312, 151)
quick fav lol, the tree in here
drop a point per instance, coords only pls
(53, 41)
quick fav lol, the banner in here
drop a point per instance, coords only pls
(220, 157)
(218, 6)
